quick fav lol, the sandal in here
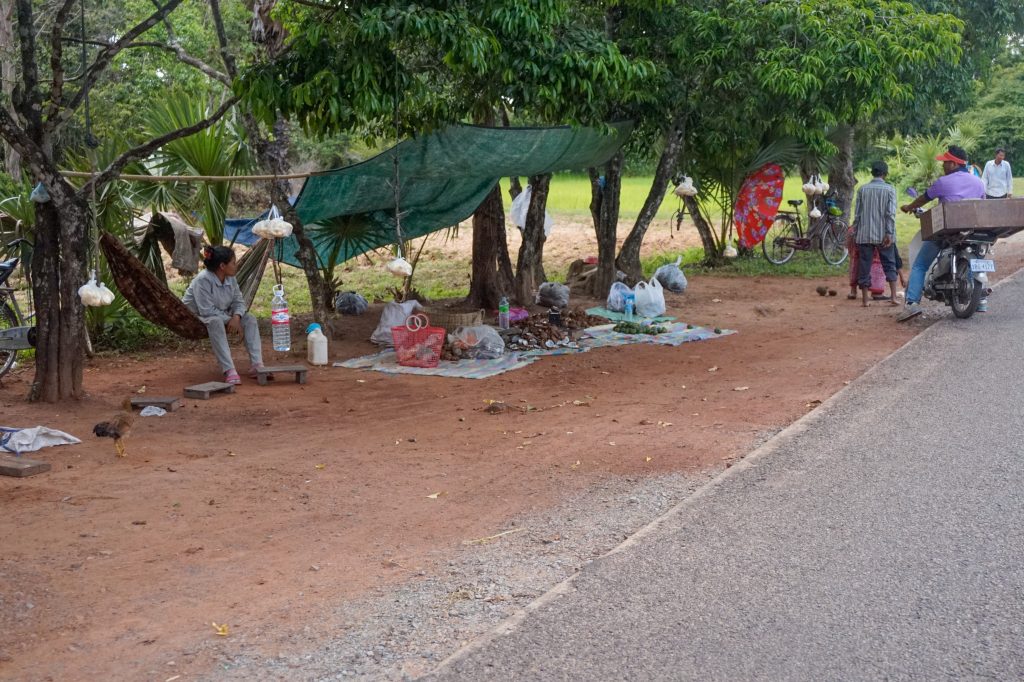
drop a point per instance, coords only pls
(852, 297)
(231, 377)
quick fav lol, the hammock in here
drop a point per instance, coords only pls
(147, 294)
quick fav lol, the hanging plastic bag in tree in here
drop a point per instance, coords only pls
(815, 213)
(273, 226)
(400, 267)
(685, 188)
(93, 295)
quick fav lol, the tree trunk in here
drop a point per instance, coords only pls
(8, 60)
(595, 196)
(515, 188)
(840, 170)
(530, 264)
(490, 279)
(704, 229)
(273, 156)
(607, 225)
(629, 256)
(58, 269)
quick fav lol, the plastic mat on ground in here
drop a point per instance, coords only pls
(594, 337)
(621, 317)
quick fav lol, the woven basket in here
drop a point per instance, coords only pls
(450, 319)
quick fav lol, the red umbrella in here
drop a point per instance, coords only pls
(757, 203)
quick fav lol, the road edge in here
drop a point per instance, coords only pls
(748, 461)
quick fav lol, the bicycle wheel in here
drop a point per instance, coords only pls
(7, 321)
(778, 241)
(833, 242)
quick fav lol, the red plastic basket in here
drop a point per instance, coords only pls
(417, 344)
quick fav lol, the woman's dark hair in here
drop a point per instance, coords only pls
(215, 256)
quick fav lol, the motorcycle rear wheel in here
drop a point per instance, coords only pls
(966, 296)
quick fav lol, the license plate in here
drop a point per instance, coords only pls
(983, 265)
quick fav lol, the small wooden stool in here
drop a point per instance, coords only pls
(299, 370)
(19, 467)
(204, 391)
(169, 403)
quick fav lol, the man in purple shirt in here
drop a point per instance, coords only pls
(956, 184)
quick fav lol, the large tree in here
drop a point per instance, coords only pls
(391, 68)
(44, 103)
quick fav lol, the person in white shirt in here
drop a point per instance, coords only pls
(998, 177)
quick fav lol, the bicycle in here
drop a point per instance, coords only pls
(786, 234)
(16, 330)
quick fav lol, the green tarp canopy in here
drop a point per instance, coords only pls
(443, 178)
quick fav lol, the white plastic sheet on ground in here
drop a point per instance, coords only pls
(13, 439)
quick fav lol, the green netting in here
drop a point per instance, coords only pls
(443, 178)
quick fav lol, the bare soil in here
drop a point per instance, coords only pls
(271, 509)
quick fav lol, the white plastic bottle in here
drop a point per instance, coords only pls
(316, 345)
(503, 313)
(280, 321)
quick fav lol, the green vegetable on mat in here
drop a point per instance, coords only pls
(637, 328)
(717, 330)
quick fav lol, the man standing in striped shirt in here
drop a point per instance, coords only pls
(875, 230)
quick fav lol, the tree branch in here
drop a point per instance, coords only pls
(19, 139)
(142, 151)
(222, 40)
(27, 101)
(185, 58)
(103, 59)
(57, 58)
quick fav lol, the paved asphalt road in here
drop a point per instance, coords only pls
(879, 538)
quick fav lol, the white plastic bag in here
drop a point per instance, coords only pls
(399, 267)
(650, 298)
(553, 295)
(815, 213)
(671, 276)
(273, 226)
(481, 342)
(95, 295)
(685, 188)
(393, 315)
(617, 297)
(521, 205)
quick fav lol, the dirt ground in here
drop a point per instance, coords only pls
(268, 509)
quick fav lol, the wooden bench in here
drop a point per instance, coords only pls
(169, 403)
(204, 391)
(19, 467)
(299, 370)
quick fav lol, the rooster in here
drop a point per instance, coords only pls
(118, 427)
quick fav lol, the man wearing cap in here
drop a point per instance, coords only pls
(998, 177)
(956, 184)
(875, 230)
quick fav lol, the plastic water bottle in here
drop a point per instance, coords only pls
(316, 345)
(280, 321)
(503, 318)
(630, 304)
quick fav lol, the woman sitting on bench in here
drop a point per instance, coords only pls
(215, 298)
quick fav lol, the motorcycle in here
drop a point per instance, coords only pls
(959, 275)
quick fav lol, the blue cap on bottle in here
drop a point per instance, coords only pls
(311, 327)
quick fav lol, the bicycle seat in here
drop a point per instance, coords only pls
(795, 202)
(6, 268)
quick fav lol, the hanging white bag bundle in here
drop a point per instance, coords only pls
(815, 213)
(650, 298)
(685, 188)
(273, 226)
(95, 295)
(399, 267)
